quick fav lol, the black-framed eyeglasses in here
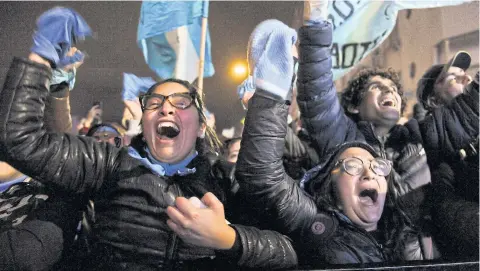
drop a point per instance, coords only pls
(355, 166)
(154, 101)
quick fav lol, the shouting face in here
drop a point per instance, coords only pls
(381, 104)
(360, 186)
(171, 123)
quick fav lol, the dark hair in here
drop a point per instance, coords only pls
(426, 88)
(355, 91)
(210, 143)
(393, 224)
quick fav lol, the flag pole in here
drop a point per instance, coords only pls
(203, 40)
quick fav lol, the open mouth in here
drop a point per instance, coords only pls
(388, 102)
(168, 130)
(369, 196)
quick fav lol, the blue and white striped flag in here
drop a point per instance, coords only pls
(361, 26)
(169, 34)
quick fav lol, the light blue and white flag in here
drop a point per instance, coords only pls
(360, 26)
(169, 34)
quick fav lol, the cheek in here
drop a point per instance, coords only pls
(190, 119)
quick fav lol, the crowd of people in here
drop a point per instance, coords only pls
(344, 183)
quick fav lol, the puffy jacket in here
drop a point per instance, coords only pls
(298, 156)
(320, 238)
(448, 131)
(329, 126)
(38, 221)
(130, 200)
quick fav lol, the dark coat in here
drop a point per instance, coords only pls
(130, 200)
(38, 224)
(408, 146)
(319, 237)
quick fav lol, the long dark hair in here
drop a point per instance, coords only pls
(393, 224)
(210, 143)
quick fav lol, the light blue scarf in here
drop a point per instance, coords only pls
(59, 76)
(161, 168)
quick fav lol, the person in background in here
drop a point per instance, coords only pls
(349, 214)
(105, 132)
(232, 147)
(144, 219)
(452, 142)
(443, 82)
(94, 116)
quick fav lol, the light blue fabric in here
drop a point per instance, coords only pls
(6, 185)
(133, 86)
(270, 55)
(359, 27)
(57, 30)
(164, 169)
(159, 18)
(59, 76)
(248, 85)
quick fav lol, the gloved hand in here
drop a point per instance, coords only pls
(246, 86)
(315, 11)
(57, 30)
(66, 74)
(133, 86)
(59, 76)
(270, 57)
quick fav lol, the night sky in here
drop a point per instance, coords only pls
(114, 49)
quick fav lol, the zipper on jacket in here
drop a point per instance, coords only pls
(172, 241)
(381, 142)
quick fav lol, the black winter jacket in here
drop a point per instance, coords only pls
(329, 126)
(37, 223)
(130, 200)
(320, 238)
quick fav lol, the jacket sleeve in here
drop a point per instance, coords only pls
(452, 127)
(265, 249)
(75, 163)
(57, 109)
(269, 191)
(32, 245)
(320, 108)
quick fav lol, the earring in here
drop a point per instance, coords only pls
(203, 134)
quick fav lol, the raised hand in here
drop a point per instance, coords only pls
(315, 11)
(270, 57)
(58, 29)
(68, 73)
(201, 223)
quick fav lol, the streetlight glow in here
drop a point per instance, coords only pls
(239, 70)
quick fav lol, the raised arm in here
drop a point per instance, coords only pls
(322, 114)
(453, 127)
(77, 164)
(268, 190)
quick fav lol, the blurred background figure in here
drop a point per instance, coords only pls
(106, 132)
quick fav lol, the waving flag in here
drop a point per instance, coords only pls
(169, 34)
(361, 26)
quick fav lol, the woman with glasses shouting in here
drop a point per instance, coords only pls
(147, 195)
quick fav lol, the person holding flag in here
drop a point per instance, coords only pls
(144, 220)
